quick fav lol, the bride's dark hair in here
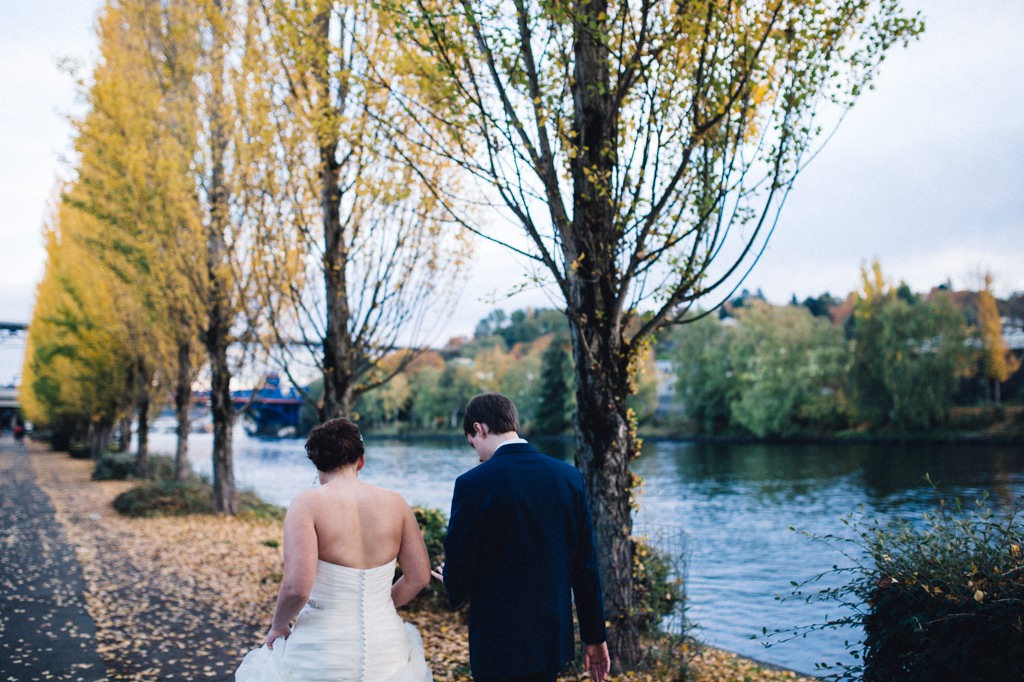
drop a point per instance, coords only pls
(335, 443)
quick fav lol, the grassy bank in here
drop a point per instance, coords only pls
(183, 597)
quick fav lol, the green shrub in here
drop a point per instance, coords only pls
(973, 418)
(947, 601)
(78, 450)
(659, 567)
(163, 468)
(58, 438)
(180, 498)
(166, 498)
(942, 600)
(118, 466)
(251, 506)
(434, 527)
(113, 466)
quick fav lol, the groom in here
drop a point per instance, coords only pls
(519, 540)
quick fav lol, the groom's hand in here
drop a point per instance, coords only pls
(438, 572)
(597, 661)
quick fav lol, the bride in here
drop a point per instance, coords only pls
(341, 543)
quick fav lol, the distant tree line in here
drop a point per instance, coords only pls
(525, 355)
(882, 358)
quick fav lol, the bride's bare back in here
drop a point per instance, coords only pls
(356, 524)
(353, 524)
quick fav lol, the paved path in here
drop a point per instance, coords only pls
(46, 633)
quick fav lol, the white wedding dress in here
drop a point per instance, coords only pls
(348, 630)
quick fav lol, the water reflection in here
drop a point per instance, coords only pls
(880, 472)
(735, 502)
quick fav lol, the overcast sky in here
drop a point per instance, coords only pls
(926, 174)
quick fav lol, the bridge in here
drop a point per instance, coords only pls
(268, 411)
(12, 342)
(8, 406)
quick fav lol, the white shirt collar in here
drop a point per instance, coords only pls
(509, 442)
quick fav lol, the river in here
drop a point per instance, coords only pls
(735, 505)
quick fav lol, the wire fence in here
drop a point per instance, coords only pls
(672, 552)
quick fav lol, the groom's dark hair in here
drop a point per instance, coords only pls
(335, 443)
(495, 410)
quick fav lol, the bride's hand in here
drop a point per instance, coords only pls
(275, 634)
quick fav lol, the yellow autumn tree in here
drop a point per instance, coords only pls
(375, 260)
(97, 322)
(166, 194)
(998, 363)
(78, 363)
(134, 185)
(643, 152)
(235, 182)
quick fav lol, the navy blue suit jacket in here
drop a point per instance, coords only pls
(520, 548)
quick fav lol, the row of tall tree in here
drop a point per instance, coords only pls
(882, 358)
(284, 170)
(233, 196)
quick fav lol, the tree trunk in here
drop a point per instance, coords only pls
(337, 364)
(337, 348)
(337, 361)
(142, 446)
(98, 438)
(124, 442)
(223, 419)
(182, 406)
(605, 445)
(219, 323)
(605, 435)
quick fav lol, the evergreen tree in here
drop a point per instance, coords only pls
(555, 403)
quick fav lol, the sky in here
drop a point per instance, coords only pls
(925, 174)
